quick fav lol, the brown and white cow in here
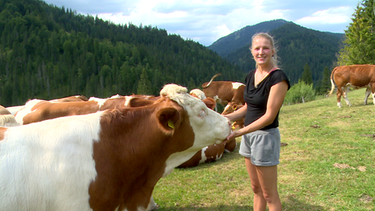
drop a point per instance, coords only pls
(108, 160)
(212, 152)
(6, 118)
(224, 91)
(354, 76)
(40, 110)
(14, 109)
(231, 107)
(209, 101)
(75, 98)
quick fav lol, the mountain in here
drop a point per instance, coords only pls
(296, 47)
(242, 37)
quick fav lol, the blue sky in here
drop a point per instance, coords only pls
(206, 21)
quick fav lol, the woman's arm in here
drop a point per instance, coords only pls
(275, 101)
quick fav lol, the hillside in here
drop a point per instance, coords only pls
(242, 37)
(297, 46)
(49, 52)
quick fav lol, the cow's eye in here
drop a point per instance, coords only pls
(202, 113)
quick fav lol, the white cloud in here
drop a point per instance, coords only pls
(328, 16)
(205, 21)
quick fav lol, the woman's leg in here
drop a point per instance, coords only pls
(259, 201)
(264, 184)
(267, 176)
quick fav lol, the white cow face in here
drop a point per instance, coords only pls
(209, 126)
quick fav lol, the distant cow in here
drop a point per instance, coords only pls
(109, 160)
(231, 107)
(198, 94)
(209, 101)
(224, 91)
(355, 76)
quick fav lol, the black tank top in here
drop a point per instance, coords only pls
(256, 98)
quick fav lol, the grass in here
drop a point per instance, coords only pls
(327, 164)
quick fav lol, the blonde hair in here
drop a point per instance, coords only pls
(274, 60)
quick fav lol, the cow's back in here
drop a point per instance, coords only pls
(220, 90)
(45, 110)
(356, 75)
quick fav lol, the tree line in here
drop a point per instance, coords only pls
(48, 52)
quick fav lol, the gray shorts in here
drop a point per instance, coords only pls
(262, 147)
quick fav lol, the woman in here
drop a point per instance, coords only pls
(266, 87)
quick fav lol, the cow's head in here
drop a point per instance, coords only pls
(198, 93)
(209, 126)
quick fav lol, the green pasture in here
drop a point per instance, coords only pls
(327, 163)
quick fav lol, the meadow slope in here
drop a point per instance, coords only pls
(327, 164)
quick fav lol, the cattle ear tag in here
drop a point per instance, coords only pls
(171, 124)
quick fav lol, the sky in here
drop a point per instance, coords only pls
(205, 21)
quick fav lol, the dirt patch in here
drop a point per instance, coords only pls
(342, 166)
(346, 166)
(369, 135)
(345, 116)
(315, 126)
(362, 168)
(366, 198)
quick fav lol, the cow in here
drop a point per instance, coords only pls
(14, 109)
(39, 110)
(209, 101)
(224, 91)
(6, 118)
(208, 154)
(213, 152)
(231, 107)
(75, 98)
(198, 94)
(108, 160)
(355, 76)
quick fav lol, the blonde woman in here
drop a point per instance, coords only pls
(266, 87)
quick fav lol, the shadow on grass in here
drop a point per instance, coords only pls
(294, 204)
(290, 205)
(219, 208)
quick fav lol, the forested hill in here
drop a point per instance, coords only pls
(242, 37)
(297, 46)
(49, 52)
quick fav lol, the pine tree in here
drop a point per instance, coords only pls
(144, 85)
(325, 83)
(306, 75)
(359, 40)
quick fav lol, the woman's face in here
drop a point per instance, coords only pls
(262, 50)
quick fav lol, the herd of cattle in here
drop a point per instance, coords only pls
(76, 153)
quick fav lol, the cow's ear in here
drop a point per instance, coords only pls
(169, 118)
